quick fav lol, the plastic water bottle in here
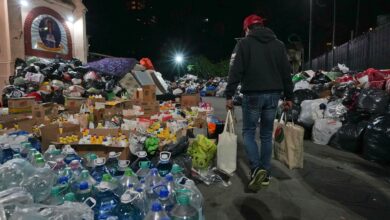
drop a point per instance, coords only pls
(142, 202)
(127, 210)
(141, 156)
(39, 162)
(55, 196)
(90, 161)
(166, 200)
(129, 179)
(59, 166)
(30, 155)
(112, 162)
(12, 173)
(26, 146)
(177, 172)
(7, 153)
(86, 177)
(144, 170)
(122, 166)
(76, 167)
(49, 154)
(170, 184)
(164, 166)
(188, 187)
(39, 184)
(70, 154)
(100, 169)
(153, 179)
(106, 200)
(156, 212)
(84, 191)
(183, 210)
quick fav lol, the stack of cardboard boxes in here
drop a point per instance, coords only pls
(146, 99)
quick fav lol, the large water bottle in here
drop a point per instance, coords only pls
(51, 153)
(122, 166)
(188, 187)
(70, 154)
(13, 172)
(90, 161)
(164, 166)
(183, 210)
(86, 177)
(35, 157)
(100, 169)
(106, 200)
(30, 155)
(59, 166)
(156, 212)
(144, 170)
(129, 179)
(142, 202)
(112, 162)
(141, 156)
(39, 183)
(39, 162)
(152, 180)
(76, 167)
(170, 184)
(26, 146)
(127, 210)
(166, 200)
(177, 172)
(84, 192)
(7, 153)
(55, 196)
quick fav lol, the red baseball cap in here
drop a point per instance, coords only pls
(253, 19)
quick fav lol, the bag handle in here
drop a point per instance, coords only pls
(229, 123)
(284, 115)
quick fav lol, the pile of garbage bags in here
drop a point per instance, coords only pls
(345, 109)
(190, 84)
(51, 80)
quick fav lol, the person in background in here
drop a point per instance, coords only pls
(259, 62)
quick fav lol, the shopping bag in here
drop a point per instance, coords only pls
(227, 147)
(288, 143)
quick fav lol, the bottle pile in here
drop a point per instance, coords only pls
(112, 189)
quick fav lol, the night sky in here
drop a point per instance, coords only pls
(200, 27)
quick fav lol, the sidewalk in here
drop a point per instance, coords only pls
(332, 185)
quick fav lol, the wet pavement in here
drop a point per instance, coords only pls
(333, 185)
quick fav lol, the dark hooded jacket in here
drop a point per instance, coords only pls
(259, 62)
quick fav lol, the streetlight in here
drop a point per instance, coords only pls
(24, 3)
(179, 59)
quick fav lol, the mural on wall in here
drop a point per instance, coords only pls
(46, 34)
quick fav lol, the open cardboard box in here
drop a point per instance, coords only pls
(43, 112)
(21, 105)
(73, 104)
(19, 122)
(190, 100)
(51, 133)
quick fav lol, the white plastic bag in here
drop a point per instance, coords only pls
(324, 129)
(310, 111)
(303, 84)
(227, 147)
(335, 109)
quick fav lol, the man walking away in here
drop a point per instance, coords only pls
(259, 62)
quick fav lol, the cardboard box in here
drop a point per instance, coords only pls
(51, 133)
(124, 104)
(92, 101)
(99, 150)
(41, 112)
(150, 108)
(149, 93)
(190, 100)
(73, 104)
(21, 105)
(18, 122)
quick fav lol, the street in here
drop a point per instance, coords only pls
(333, 185)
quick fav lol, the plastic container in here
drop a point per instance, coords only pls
(170, 184)
(141, 156)
(156, 212)
(141, 202)
(90, 161)
(106, 200)
(112, 162)
(166, 200)
(177, 172)
(76, 167)
(144, 170)
(183, 210)
(122, 166)
(127, 210)
(70, 154)
(84, 192)
(187, 187)
(86, 177)
(100, 169)
(164, 166)
(129, 179)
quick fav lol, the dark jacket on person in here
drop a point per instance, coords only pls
(259, 62)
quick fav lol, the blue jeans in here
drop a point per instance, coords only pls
(257, 107)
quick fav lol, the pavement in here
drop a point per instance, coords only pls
(333, 185)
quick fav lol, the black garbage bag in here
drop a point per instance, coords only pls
(356, 117)
(180, 147)
(320, 78)
(58, 75)
(373, 101)
(47, 71)
(76, 62)
(376, 143)
(46, 97)
(293, 113)
(20, 63)
(31, 69)
(349, 137)
(40, 65)
(319, 88)
(63, 67)
(341, 90)
(110, 85)
(58, 97)
(81, 69)
(302, 95)
(350, 98)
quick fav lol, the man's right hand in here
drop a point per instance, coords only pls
(287, 105)
(229, 104)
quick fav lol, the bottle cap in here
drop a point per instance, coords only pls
(144, 164)
(100, 161)
(183, 200)
(70, 197)
(56, 152)
(142, 154)
(39, 160)
(112, 154)
(176, 168)
(84, 173)
(169, 178)
(129, 172)
(84, 185)
(55, 191)
(92, 157)
(125, 198)
(140, 190)
(63, 180)
(6, 146)
(107, 177)
(164, 193)
(37, 155)
(153, 172)
(165, 156)
(156, 207)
